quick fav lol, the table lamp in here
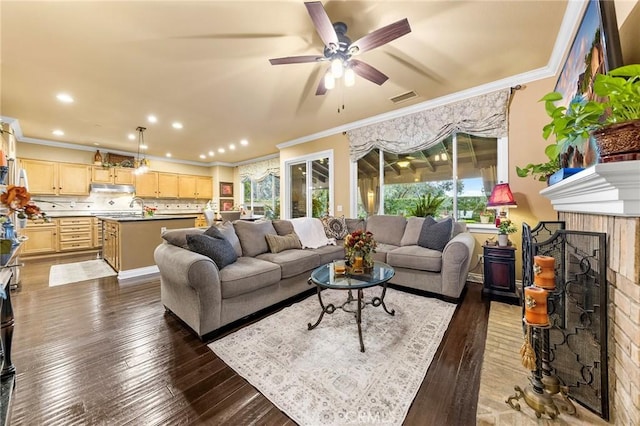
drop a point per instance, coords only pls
(501, 199)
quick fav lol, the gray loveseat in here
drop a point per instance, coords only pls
(206, 298)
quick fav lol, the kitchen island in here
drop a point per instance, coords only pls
(128, 241)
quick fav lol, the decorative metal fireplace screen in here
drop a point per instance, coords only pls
(577, 308)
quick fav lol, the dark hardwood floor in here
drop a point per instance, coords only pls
(98, 352)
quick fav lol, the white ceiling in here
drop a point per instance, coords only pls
(205, 64)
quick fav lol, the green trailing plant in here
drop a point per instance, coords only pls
(427, 205)
(619, 101)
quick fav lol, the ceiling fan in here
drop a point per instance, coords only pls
(339, 49)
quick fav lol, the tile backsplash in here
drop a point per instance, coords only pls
(105, 203)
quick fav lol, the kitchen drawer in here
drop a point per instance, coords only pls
(75, 236)
(75, 245)
(75, 221)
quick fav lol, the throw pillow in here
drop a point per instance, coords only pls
(178, 237)
(283, 227)
(229, 232)
(278, 243)
(217, 249)
(435, 235)
(251, 236)
(335, 227)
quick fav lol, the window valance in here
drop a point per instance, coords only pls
(484, 115)
(260, 169)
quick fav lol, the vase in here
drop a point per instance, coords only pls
(22, 222)
(10, 232)
(484, 219)
(503, 240)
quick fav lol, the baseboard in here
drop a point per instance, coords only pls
(134, 275)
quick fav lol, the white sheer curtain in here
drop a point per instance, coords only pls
(484, 115)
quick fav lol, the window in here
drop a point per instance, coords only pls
(309, 188)
(459, 173)
(262, 196)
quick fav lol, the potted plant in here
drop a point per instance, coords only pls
(505, 228)
(485, 216)
(618, 103)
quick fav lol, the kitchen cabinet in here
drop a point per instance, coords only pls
(52, 178)
(198, 187)
(75, 233)
(115, 175)
(110, 243)
(42, 238)
(96, 228)
(500, 272)
(147, 185)
(167, 185)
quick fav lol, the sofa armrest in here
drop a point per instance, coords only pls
(190, 287)
(186, 268)
(456, 259)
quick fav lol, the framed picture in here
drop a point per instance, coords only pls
(226, 205)
(595, 50)
(226, 189)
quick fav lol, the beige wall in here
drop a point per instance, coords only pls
(340, 146)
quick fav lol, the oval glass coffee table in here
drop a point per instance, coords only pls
(325, 278)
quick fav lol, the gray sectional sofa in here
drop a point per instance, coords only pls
(206, 298)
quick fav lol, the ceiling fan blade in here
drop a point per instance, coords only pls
(323, 24)
(380, 36)
(365, 70)
(296, 59)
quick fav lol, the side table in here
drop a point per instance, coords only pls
(500, 273)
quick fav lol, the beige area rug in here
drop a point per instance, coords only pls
(68, 273)
(502, 370)
(320, 377)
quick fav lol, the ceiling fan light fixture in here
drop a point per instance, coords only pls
(349, 77)
(329, 81)
(337, 68)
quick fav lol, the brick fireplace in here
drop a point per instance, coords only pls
(606, 198)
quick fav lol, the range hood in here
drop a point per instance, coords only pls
(109, 187)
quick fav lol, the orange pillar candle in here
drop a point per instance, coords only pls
(357, 262)
(543, 272)
(535, 306)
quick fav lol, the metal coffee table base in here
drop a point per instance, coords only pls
(331, 308)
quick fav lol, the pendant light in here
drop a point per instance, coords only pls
(141, 163)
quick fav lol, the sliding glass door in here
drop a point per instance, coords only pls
(309, 185)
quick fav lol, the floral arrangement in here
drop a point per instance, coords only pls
(506, 227)
(18, 200)
(360, 241)
(149, 211)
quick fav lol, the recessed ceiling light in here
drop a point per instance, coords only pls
(176, 125)
(203, 156)
(244, 142)
(168, 154)
(221, 150)
(96, 144)
(152, 119)
(232, 147)
(65, 98)
(211, 153)
(131, 136)
(58, 132)
(143, 146)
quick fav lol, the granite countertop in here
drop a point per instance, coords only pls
(112, 214)
(140, 218)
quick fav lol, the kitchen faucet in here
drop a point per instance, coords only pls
(134, 199)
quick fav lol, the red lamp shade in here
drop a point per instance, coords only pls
(501, 196)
